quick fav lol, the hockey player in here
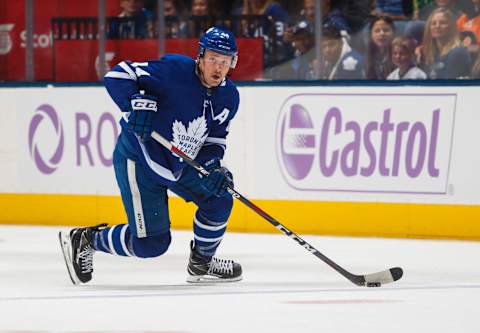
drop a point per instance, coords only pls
(190, 102)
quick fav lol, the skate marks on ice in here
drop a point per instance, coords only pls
(343, 301)
(84, 331)
(187, 290)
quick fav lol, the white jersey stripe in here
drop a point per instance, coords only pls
(110, 240)
(127, 69)
(157, 168)
(119, 75)
(126, 116)
(208, 240)
(122, 240)
(208, 227)
(136, 200)
(221, 141)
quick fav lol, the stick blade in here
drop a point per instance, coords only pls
(387, 276)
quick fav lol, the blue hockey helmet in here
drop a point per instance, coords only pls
(219, 40)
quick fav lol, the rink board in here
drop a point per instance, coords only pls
(370, 161)
(303, 217)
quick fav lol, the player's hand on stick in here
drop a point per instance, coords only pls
(218, 180)
(141, 116)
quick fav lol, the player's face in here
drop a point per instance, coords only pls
(331, 48)
(400, 57)
(439, 25)
(214, 67)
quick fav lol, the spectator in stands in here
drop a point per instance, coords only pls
(356, 12)
(470, 21)
(330, 17)
(418, 5)
(334, 17)
(276, 18)
(271, 27)
(443, 55)
(340, 62)
(381, 34)
(175, 24)
(300, 66)
(173, 7)
(307, 13)
(202, 13)
(469, 40)
(423, 9)
(426, 11)
(133, 22)
(403, 56)
(396, 9)
(200, 8)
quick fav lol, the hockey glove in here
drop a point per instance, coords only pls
(141, 116)
(217, 181)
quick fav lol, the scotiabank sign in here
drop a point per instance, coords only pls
(78, 60)
(399, 143)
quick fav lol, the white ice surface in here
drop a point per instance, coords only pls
(285, 288)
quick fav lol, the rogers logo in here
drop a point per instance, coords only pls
(5, 38)
(45, 112)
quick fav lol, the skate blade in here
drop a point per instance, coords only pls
(66, 247)
(206, 279)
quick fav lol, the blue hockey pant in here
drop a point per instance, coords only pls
(145, 200)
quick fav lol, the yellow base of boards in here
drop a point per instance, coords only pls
(303, 217)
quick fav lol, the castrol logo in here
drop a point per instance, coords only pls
(366, 142)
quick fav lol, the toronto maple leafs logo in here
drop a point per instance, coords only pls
(190, 140)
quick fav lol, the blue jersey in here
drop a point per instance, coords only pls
(455, 64)
(194, 118)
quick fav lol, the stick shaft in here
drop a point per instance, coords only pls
(356, 279)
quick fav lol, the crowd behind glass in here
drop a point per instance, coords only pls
(360, 39)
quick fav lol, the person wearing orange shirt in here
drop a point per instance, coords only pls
(470, 21)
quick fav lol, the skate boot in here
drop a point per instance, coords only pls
(205, 270)
(77, 249)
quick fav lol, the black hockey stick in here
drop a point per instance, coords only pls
(368, 280)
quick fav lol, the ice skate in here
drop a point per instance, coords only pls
(203, 270)
(77, 249)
